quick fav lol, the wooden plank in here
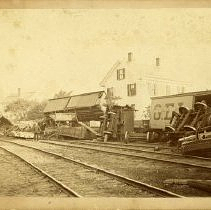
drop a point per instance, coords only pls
(202, 185)
(184, 181)
(88, 128)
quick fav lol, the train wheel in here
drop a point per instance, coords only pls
(150, 136)
(153, 136)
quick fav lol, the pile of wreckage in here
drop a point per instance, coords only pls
(22, 129)
(5, 125)
(87, 116)
(192, 128)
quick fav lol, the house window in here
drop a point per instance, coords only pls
(110, 92)
(168, 89)
(157, 61)
(131, 89)
(120, 74)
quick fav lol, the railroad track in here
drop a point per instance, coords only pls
(129, 145)
(127, 185)
(69, 192)
(193, 161)
(19, 179)
(134, 148)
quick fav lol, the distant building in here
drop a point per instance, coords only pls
(135, 81)
(29, 95)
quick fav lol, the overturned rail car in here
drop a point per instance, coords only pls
(72, 115)
(163, 107)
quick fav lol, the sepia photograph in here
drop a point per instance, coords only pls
(104, 106)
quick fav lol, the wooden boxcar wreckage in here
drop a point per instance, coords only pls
(117, 123)
(65, 115)
(183, 120)
(5, 125)
(72, 117)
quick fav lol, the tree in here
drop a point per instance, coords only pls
(111, 100)
(36, 111)
(146, 113)
(26, 110)
(18, 108)
(62, 94)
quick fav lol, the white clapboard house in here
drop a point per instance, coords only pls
(133, 81)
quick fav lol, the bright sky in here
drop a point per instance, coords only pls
(49, 50)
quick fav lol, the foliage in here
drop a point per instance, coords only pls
(147, 113)
(23, 109)
(62, 94)
(18, 108)
(111, 100)
(36, 111)
(18, 105)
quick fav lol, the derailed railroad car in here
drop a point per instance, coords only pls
(178, 115)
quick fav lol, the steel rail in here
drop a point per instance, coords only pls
(132, 155)
(66, 189)
(147, 187)
(137, 150)
(103, 144)
(150, 145)
(147, 146)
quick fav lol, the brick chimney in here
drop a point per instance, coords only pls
(130, 56)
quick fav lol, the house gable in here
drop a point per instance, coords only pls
(143, 78)
(131, 73)
(109, 74)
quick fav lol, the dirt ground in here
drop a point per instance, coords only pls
(86, 182)
(17, 179)
(148, 171)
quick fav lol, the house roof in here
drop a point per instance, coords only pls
(57, 104)
(140, 69)
(197, 93)
(108, 75)
(85, 100)
(74, 102)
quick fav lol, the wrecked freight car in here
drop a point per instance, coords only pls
(71, 116)
(184, 120)
(5, 125)
(117, 123)
(75, 116)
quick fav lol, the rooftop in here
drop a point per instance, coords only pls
(72, 102)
